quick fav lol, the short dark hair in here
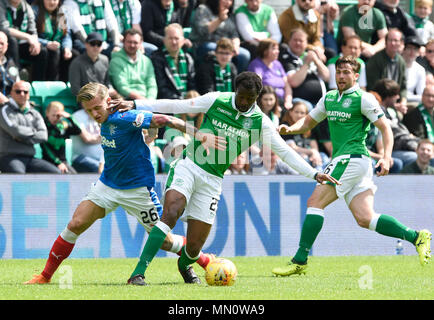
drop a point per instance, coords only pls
(386, 88)
(352, 61)
(394, 30)
(424, 141)
(248, 80)
(132, 32)
(354, 36)
(225, 44)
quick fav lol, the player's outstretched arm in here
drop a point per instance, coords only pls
(121, 105)
(301, 126)
(208, 140)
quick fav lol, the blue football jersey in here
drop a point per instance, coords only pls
(127, 157)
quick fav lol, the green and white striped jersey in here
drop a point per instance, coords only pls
(241, 129)
(349, 117)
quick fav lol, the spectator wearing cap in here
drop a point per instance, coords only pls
(90, 66)
(415, 73)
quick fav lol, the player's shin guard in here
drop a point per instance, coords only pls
(311, 227)
(389, 226)
(153, 244)
(60, 250)
(185, 260)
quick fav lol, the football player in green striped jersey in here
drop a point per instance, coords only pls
(349, 111)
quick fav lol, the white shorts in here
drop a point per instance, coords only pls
(142, 203)
(355, 174)
(201, 189)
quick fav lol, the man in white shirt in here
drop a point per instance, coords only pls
(415, 73)
(256, 21)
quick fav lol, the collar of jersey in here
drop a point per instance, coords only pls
(248, 113)
(349, 90)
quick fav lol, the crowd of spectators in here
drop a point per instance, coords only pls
(179, 49)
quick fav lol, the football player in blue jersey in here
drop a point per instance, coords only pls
(128, 178)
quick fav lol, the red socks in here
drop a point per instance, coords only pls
(203, 260)
(60, 251)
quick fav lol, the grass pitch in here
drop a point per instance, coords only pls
(327, 278)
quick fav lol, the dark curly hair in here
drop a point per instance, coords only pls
(248, 80)
(352, 61)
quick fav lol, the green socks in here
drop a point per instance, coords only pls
(311, 227)
(383, 224)
(185, 260)
(389, 226)
(153, 244)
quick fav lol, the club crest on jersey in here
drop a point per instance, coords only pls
(247, 123)
(112, 129)
(178, 182)
(139, 120)
(346, 103)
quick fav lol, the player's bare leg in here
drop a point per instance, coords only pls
(197, 233)
(84, 216)
(362, 207)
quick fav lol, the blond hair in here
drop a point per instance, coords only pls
(175, 26)
(419, 3)
(92, 90)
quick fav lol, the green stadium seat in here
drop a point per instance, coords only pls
(160, 143)
(38, 151)
(68, 151)
(38, 101)
(44, 92)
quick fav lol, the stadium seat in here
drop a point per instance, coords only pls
(37, 100)
(49, 91)
(38, 151)
(68, 151)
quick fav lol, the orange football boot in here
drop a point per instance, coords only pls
(38, 279)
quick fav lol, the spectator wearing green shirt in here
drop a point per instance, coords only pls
(256, 21)
(60, 126)
(367, 22)
(131, 72)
